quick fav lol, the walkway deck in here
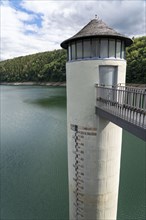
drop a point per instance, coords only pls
(124, 106)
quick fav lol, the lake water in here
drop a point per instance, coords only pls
(33, 158)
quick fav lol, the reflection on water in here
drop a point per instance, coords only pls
(52, 101)
(33, 158)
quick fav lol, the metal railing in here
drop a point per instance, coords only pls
(128, 103)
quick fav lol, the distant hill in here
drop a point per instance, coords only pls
(50, 66)
(40, 67)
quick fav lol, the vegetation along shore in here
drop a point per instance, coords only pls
(33, 83)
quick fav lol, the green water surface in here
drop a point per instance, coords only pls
(33, 158)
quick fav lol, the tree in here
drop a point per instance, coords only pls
(47, 66)
(136, 61)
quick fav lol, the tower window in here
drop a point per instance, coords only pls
(73, 51)
(69, 53)
(87, 48)
(95, 48)
(112, 48)
(123, 50)
(79, 50)
(104, 48)
(118, 49)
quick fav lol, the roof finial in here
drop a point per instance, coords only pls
(95, 16)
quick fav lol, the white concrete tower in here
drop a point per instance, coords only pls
(96, 54)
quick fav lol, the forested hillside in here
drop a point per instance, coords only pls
(40, 67)
(50, 66)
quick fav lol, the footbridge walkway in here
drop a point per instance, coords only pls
(125, 106)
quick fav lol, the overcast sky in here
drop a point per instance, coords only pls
(32, 26)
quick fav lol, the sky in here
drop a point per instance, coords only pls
(33, 26)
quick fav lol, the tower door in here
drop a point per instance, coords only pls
(108, 75)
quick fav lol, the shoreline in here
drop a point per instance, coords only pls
(34, 84)
(57, 84)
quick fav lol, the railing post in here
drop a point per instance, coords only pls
(128, 103)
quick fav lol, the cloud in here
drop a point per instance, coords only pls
(129, 17)
(15, 25)
(41, 25)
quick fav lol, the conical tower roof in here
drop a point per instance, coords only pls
(97, 28)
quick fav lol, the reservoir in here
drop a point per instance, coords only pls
(33, 158)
